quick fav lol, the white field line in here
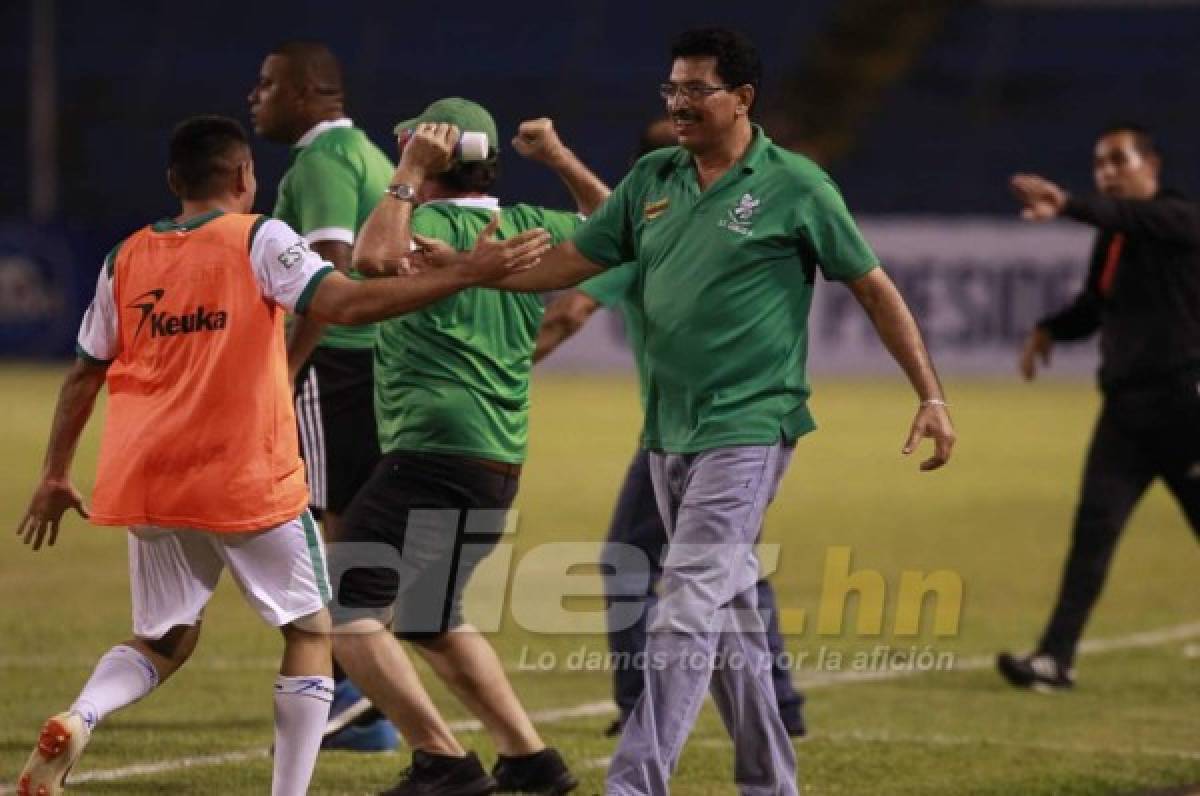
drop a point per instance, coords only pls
(200, 663)
(1148, 638)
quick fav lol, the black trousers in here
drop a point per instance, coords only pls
(1143, 433)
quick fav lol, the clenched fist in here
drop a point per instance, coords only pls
(537, 140)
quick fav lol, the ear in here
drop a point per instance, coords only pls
(242, 178)
(745, 95)
(171, 182)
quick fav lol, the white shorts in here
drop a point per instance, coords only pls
(173, 571)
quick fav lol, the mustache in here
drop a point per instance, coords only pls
(684, 116)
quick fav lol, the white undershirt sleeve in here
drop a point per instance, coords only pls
(286, 268)
(98, 340)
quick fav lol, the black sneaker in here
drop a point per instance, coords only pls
(443, 775)
(1041, 672)
(542, 772)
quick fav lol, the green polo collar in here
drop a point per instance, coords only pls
(169, 225)
(749, 162)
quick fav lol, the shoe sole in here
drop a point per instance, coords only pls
(483, 787)
(1015, 677)
(1047, 688)
(1019, 678)
(45, 772)
(365, 742)
(564, 784)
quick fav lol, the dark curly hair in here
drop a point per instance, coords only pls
(738, 63)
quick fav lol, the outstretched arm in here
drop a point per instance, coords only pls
(306, 332)
(339, 299)
(898, 330)
(563, 266)
(1166, 218)
(55, 494)
(560, 267)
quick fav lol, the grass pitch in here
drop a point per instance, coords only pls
(997, 519)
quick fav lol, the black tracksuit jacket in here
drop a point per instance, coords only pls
(1149, 318)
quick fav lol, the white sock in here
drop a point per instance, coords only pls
(301, 710)
(121, 677)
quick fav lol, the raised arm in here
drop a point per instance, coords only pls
(537, 140)
(384, 242)
(55, 493)
(898, 330)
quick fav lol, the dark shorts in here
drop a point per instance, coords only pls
(413, 536)
(335, 410)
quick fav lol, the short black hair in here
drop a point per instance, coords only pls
(201, 152)
(474, 177)
(1143, 139)
(313, 62)
(738, 63)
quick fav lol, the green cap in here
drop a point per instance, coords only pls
(464, 114)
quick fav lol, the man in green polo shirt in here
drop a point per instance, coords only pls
(728, 232)
(335, 178)
(636, 536)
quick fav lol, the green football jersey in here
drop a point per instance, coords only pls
(454, 377)
(727, 279)
(328, 192)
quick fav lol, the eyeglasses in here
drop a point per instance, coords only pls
(693, 92)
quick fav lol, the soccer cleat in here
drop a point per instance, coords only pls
(377, 736)
(443, 775)
(60, 743)
(1040, 672)
(542, 772)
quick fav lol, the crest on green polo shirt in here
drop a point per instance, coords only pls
(741, 215)
(656, 208)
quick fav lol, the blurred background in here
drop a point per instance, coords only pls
(919, 109)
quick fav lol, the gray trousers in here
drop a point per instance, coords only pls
(706, 634)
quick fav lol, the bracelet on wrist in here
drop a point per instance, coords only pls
(935, 402)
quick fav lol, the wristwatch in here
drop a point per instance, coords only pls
(405, 193)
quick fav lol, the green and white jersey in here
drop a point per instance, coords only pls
(335, 178)
(454, 377)
(726, 283)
